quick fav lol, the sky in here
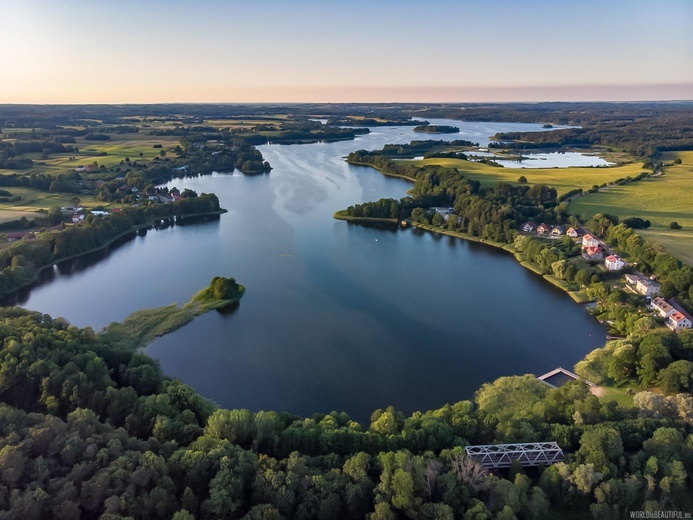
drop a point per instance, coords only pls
(153, 51)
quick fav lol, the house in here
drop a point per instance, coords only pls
(572, 232)
(678, 321)
(528, 227)
(589, 241)
(593, 253)
(557, 231)
(11, 237)
(632, 279)
(77, 218)
(647, 287)
(614, 263)
(543, 229)
(444, 212)
(662, 307)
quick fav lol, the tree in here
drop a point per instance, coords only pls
(675, 225)
(677, 377)
(601, 446)
(511, 397)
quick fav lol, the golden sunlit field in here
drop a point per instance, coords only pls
(563, 179)
(661, 200)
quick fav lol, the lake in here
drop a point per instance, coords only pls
(335, 316)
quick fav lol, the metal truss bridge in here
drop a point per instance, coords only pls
(495, 456)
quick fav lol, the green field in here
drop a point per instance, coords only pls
(660, 199)
(7, 215)
(116, 149)
(563, 179)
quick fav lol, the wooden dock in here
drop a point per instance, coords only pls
(565, 372)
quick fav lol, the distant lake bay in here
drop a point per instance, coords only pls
(335, 316)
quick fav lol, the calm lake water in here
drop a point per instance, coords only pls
(335, 316)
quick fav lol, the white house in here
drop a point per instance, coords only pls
(528, 227)
(443, 211)
(663, 307)
(678, 321)
(614, 263)
(589, 241)
(647, 287)
(572, 232)
(557, 231)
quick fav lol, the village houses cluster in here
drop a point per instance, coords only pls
(593, 249)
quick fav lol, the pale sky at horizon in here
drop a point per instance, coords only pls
(154, 51)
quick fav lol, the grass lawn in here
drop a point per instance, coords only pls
(563, 179)
(8, 215)
(660, 199)
(611, 393)
(35, 199)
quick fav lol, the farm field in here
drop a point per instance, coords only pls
(660, 199)
(125, 145)
(563, 179)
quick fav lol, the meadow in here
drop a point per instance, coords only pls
(563, 179)
(661, 200)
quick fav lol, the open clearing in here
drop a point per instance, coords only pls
(660, 200)
(116, 150)
(563, 179)
(7, 215)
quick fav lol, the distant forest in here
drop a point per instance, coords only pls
(642, 129)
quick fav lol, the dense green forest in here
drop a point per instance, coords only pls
(437, 129)
(90, 427)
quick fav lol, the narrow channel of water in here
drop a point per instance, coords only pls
(335, 316)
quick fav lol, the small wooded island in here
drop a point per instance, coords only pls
(437, 129)
(141, 327)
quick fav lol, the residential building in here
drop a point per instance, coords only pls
(614, 263)
(543, 230)
(647, 287)
(678, 321)
(572, 232)
(663, 307)
(589, 241)
(593, 253)
(528, 227)
(557, 231)
(632, 279)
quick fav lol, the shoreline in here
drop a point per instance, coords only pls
(133, 229)
(576, 296)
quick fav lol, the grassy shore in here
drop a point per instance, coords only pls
(141, 327)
